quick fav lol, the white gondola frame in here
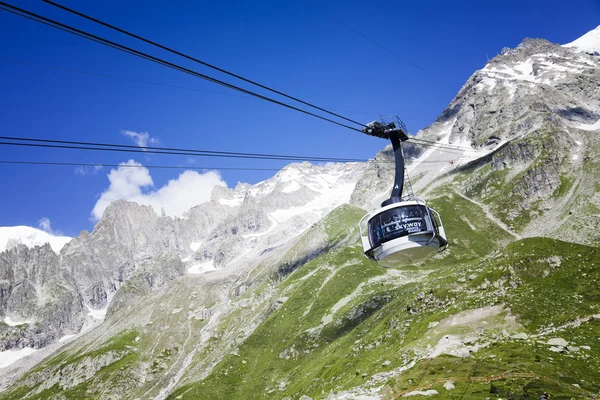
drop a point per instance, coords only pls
(406, 249)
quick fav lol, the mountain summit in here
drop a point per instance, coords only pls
(590, 42)
(10, 236)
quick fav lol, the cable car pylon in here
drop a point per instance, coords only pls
(404, 230)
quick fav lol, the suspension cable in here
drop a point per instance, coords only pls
(171, 50)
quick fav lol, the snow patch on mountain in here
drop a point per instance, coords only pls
(590, 42)
(97, 314)
(67, 338)
(588, 127)
(10, 322)
(329, 198)
(430, 392)
(537, 69)
(195, 245)
(231, 202)
(201, 268)
(292, 187)
(11, 236)
(9, 357)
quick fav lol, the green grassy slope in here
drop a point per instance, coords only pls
(316, 343)
(479, 315)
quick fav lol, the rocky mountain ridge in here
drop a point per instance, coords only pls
(60, 294)
(530, 116)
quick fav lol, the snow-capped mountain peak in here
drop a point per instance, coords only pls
(318, 179)
(270, 213)
(590, 42)
(11, 236)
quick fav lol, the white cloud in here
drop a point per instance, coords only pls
(45, 225)
(141, 139)
(176, 197)
(88, 170)
(329, 164)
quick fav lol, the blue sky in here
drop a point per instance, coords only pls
(286, 45)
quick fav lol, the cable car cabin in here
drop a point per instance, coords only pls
(402, 233)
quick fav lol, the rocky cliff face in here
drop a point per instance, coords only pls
(38, 291)
(530, 118)
(536, 85)
(56, 295)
